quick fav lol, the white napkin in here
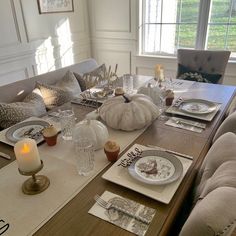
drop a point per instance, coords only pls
(121, 219)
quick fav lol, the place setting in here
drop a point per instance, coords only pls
(195, 108)
(151, 171)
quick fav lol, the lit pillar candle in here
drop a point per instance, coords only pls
(159, 72)
(27, 155)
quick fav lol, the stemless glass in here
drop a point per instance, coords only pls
(67, 120)
(84, 155)
(128, 83)
(162, 104)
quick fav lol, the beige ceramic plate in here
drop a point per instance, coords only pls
(197, 106)
(156, 167)
(18, 131)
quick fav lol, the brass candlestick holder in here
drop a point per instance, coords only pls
(35, 184)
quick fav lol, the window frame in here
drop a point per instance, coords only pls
(201, 33)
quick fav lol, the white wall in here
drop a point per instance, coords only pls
(33, 43)
(114, 37)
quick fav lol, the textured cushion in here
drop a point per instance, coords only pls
(213, 215)
(63, 91)
(224, 176)
(228, 125)
(69, 83)
(232, 107)
(223, 150)
(81, 81)
(95, 76)
(12, 113)
(189, 74)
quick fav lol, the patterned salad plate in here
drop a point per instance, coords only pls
(197, 106)
(27, 129)
(156, 167)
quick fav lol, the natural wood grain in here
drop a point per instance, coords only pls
(73, 219)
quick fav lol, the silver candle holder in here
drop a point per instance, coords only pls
(37, 183)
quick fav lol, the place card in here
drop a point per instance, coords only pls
(121, 219)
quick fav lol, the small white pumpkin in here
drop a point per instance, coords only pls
(92, 129)
(152, 92)
(128, 113)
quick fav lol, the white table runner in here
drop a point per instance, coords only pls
(26, 214)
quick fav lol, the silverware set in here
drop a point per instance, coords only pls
(190, 123)
(31, 134)
(107, 205)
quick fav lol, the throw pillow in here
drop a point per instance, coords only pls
(63, 91)
(69, 83)
(95, 76)
(54, 96)
(187, 74)
(12, 113)
(81, 81)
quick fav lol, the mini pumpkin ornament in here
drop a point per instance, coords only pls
(93, 130)
(128, 112)
(152, 92)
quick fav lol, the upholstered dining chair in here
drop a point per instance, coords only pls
(202, 65)
(214, 198)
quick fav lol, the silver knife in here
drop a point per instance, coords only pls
(172, 152)
(4, 155)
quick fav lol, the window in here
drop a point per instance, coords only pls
(167, 25)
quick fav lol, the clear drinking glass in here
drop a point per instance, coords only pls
(162, 104)
(67, 120)
(128, 83)
(84, 156)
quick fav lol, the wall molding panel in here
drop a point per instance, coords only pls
(14, 75)
(10, 34)
(40, 42)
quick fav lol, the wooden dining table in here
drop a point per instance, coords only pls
(73, 218)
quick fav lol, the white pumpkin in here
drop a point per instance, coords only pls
(128, 113)
(152, 92)
(92, 129)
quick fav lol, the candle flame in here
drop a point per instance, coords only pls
(25, 148)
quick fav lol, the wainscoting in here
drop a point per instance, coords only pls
(107, 30)
(33, 43)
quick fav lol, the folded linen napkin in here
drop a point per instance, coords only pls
(121, 219)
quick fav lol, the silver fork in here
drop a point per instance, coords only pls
(108, 205)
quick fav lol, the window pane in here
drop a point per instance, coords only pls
(220, 11)
(186, 36)
(168, 34)
(188, 10)
(216, 37)
(153, 11)
(169, 24)
(231, 43)
(152, 38)
(222, 25)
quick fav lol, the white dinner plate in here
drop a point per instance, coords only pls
(197, 106)
(17, 132)
(156, 167)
